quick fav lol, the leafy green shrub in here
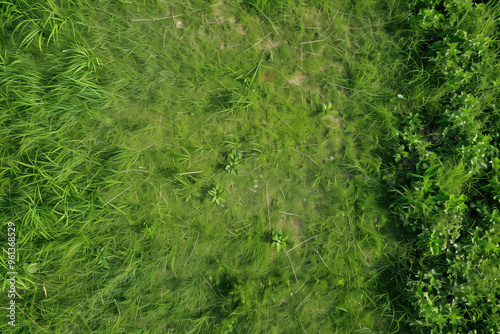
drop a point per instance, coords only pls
(278, 240)
(447, 188)
(217, 194)
(233, 162)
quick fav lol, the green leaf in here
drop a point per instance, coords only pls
(490, 247)
(33, 268)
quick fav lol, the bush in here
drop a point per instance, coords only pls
(449, 198)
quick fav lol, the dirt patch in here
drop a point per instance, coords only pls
(217, 9)
(291, 228)
(239, 29)
(297, 79)
(332, 122)
(218, 14)
(313, 90)
(270, 44)
(269, 76)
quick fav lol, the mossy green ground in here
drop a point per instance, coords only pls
(116, 120)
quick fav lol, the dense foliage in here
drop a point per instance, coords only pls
(447, 177)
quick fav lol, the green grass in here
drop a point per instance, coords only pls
(118, 118)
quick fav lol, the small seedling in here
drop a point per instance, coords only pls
(327, 107)
(233, 162)
(329, 112)
(278, 240)
(217, 194)
(102, 255)
(149, 230)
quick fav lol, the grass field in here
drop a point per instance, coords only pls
(205, 167)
